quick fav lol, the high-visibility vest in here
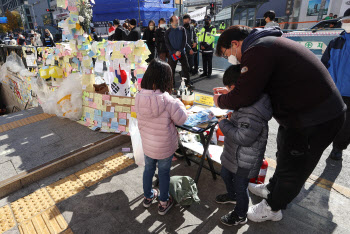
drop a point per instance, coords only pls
(222, 26)
(206, 36)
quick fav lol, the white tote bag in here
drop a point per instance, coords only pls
(136, 142)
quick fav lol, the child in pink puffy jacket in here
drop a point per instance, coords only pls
(157, 114)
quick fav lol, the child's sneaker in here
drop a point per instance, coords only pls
(147, 202)
(164, 208)
(224, 198)
(232, 218)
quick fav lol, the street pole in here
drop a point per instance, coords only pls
(138, 2)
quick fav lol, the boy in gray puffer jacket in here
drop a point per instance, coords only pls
(246, 133)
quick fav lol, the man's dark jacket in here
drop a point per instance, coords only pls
(301, 89)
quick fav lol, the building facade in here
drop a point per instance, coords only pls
(299, 14)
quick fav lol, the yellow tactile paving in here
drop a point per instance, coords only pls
(23, 122)
(117, 162)
(65, 188)
(6, 219)
(27, 207)
(93, 174)
(37, 213)
(50, 221)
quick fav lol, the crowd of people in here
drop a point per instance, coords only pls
(35, 39)
(309, 101)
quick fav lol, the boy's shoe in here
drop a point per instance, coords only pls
(163, 209)
(224, 199)
(147, 202)
(262, 212)
(259, 190)
(336, 154)
(232, 218)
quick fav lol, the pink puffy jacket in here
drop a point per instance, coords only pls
(157, 114)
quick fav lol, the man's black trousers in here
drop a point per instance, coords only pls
(298, 152)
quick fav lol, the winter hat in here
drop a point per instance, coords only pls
(346, 14)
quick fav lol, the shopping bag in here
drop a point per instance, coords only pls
(136, 142)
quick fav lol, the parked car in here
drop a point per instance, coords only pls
(327, 25)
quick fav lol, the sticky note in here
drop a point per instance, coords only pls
(91, 95)
(132, 109)
(121, 128)
(127, 101)
(118, 109)
(133, 101)
(102, 52)
(114, 125)
(115, 99)
(108, 103)
(122, 121)
(99, 66)
(133, 114)
(128, 116)
(126, 109)
(108, 114)
(122, 115)
(115, 115)
(112, 109)
(106, 97)
(97, 113)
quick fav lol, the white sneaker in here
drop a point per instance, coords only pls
(259, 190)
(262, 212)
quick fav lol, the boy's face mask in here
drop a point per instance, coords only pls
(346, 25)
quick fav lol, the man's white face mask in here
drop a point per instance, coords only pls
(163, 25)
(233, 58)
(346, 27)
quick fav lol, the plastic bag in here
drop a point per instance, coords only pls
(136, 142)
(64, 102)
(200, 117)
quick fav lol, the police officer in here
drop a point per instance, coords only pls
(222, 27)
(206, 42)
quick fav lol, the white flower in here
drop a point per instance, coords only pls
(81, 19)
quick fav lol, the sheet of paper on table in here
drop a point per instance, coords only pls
(214, 150)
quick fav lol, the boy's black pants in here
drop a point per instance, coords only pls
(298, 152)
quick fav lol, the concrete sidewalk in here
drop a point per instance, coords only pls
(114, 205)
(27, 146)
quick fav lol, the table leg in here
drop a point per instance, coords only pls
(205, 142)
(183, 150)
(210, 162)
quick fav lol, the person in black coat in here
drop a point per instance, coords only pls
(160, 41)
(47, 41)
(149, 37)
(135, 33)
(120, 33)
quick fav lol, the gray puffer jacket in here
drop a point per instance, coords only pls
(246, 136)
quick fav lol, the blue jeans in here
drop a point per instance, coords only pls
(163, 174)
(237, 189)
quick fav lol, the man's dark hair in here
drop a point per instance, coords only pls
(271, 14)
(161, 19)
(335, 16)
(151, 21)
(116, 22)
(231, 75)
(186, 16)
(158, 76)
(233, 33)
(331, 13)
(133, 22)
(171, 18)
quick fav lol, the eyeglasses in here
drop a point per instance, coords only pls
(223, 55)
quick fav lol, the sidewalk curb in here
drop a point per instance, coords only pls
(16, 182)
